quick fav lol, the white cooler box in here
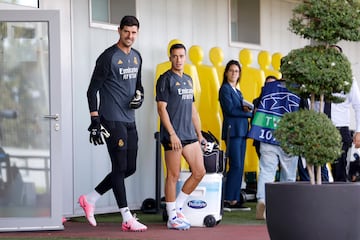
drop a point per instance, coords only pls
(203, 208)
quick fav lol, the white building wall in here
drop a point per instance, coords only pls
(91, 163)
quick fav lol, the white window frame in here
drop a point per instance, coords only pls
(245, 44)
(107, 26)
(25, 3)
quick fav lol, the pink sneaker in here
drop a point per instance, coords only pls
(133, 225)
(88, 209)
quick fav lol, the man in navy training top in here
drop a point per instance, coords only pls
(180, 134)
(117, 79)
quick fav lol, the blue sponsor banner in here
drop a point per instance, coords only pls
(276, 100)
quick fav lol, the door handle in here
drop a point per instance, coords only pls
(56, 117)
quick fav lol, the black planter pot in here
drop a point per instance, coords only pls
(301, 211)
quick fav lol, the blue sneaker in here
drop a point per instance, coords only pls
(177, 223)
(182, 217)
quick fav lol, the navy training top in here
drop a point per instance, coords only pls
(178, 93)
(116, 77)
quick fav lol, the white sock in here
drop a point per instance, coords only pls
(126, 214)
(180, 200)
(171, 210)
(92, 197)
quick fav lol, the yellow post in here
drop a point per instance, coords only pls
(251, 82)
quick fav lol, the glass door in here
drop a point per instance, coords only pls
(30, 145)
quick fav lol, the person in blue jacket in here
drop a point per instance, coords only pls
(235, 116)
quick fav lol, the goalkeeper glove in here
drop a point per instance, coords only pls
(97, 131)
(137, 100)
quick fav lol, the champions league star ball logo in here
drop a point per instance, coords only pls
(275, 102)
(279, 103)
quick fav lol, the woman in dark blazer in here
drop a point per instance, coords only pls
(236, 117)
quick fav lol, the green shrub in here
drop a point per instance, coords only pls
(311, 135)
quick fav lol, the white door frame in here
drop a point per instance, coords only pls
(54, 221)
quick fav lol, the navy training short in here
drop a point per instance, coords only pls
(167, 144)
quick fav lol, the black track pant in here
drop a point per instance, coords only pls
(122, 146)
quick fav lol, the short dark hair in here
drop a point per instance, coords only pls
(129, 21)
(177, 46)
(270, 77)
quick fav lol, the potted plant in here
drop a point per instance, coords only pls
(314, 72)
(303, 210)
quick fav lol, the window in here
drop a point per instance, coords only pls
(245, 21)
(29, 3)
(108, 13)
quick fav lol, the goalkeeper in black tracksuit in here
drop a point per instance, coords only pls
(117, 79)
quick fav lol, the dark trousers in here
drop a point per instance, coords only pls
(236, 150)
(122, 146)
(303, 174)
(339, 166)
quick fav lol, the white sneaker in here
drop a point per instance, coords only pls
(178, 224)
(182, 217)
